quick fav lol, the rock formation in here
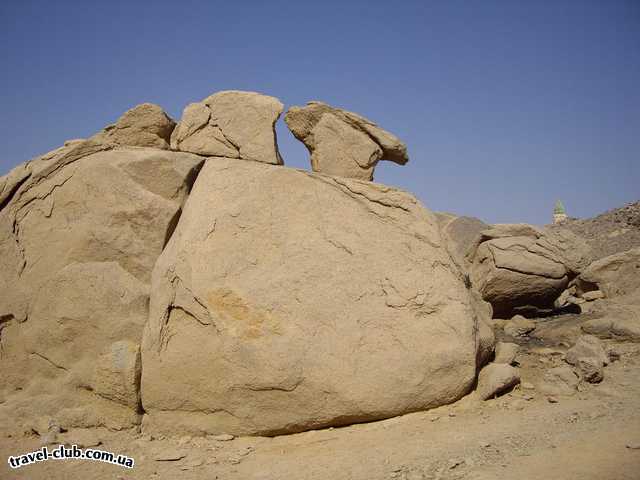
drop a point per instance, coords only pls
(282, 300)
(521, 266)
(145, 125)
(343, 143)
(615, 275)
(302, 315)
(80, 230)
(231, 124)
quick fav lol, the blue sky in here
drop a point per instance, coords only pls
(505, 106)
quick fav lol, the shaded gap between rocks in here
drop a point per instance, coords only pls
(13, 191)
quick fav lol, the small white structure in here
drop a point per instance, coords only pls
(559, 213)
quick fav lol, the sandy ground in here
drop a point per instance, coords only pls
(594, 434)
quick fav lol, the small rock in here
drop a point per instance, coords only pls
(169, 454)
(594, 295)
(589, 357)
(225, 437)
(452, 414)
(552, 400)
(434, 418)
(506, 352)
(528, 397)
(191, 463)
(560, 380)
(496, 378)
(51, 437)
(634, 445)
(519, 326)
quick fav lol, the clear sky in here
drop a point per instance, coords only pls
(506, 106)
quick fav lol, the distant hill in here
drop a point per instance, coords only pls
(611, 232)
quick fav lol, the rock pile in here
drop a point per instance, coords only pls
(178, 277)
(275, 304)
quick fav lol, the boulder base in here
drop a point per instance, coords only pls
(288, 301)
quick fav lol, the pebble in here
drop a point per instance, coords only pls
(552, 400)
(169, 454)
(225, 437)
(192, 463)
(634, 445)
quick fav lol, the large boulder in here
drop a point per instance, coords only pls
(231, 124)
(343, 143)
(615, 275)
(287, 300)
(79, 235)
(522, 266)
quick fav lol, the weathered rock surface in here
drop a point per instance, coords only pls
(589, 357)
(625, 325)
(460, 233)
(301, 316)
(506, 352)
(495, 379)
(117, 374)
(231, 124)
(343, 143)
(560, 381)
(615, 275)
(79, 236)
(145, 125)
(519, 265)
(519, 326)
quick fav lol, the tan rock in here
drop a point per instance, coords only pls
(145, 125)
(343, 143)
(334, 336)
(519, 326)
(506, 352)
(231, 124)
(495, 379)
(460, 234)
(521, 266)
(117, 374)
(78, 240)
(559, 381)
(615, 275)
(626, 328)
(593, 295)
(589, 357)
